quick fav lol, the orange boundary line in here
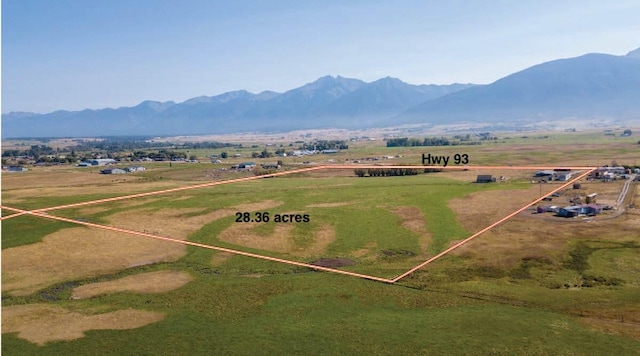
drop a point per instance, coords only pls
(488, 228)
(42, 213)
(210, 247)
(204, 185)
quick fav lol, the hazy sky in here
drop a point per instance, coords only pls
(76, 54)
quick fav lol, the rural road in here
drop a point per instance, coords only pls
(624, 191)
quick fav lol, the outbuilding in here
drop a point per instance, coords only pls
(485, 178)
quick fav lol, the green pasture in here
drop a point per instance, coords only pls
(251, 306)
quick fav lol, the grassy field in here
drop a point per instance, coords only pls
(531, 286)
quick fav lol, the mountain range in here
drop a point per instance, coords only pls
(592, 86)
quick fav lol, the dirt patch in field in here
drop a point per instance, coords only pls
(279, 240)
(241, 234)
(83, 252)
(333, 262)
(39, 323)
(413, 220)
(322, 238)
(480, 209)
(78, 252)
(328, 205)
(153, 282)
(16, 189)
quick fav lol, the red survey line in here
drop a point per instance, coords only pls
(488, 227)
(196, 244)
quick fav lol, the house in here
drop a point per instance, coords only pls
(576, 210)
(135, 169)
(329, 151)
(485, 178)
(113, 171)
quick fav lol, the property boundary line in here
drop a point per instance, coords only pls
(197, 244)
(43, 213)
(491, 226)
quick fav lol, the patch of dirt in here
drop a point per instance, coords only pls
(279, 240)
(333, 262)
(40, 323)
(478, 210)
(153, 282)
(241, 234)
(413, 220)
(76, 253)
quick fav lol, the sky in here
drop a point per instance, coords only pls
(78, 54)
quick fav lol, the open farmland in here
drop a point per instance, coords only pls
(532, 285)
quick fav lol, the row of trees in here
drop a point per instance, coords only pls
(386, 172)
(429, 141)
(325, 145)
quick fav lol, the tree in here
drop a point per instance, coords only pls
(223, 155)
(193, 157)
(626, 132)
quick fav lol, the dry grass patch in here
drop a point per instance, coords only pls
(413, 220)
(40, 323)
(78, 252)
(524, 237)
(322, 238)
(220, 257)
(478, 210)
(280, 240)
(240, 234)
(83, 252)
(63, 185)
(153, 282)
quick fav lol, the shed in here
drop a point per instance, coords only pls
(485, 178)
(113, 171)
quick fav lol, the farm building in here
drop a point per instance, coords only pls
(246, 165)
(485, 178)
(540, 174)
(563, 177)
(113, 171)
(135, 169)
(576, 210)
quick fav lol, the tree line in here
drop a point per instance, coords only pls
(387, 172)
(428, 141)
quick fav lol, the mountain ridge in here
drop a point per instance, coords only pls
(591, 86)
